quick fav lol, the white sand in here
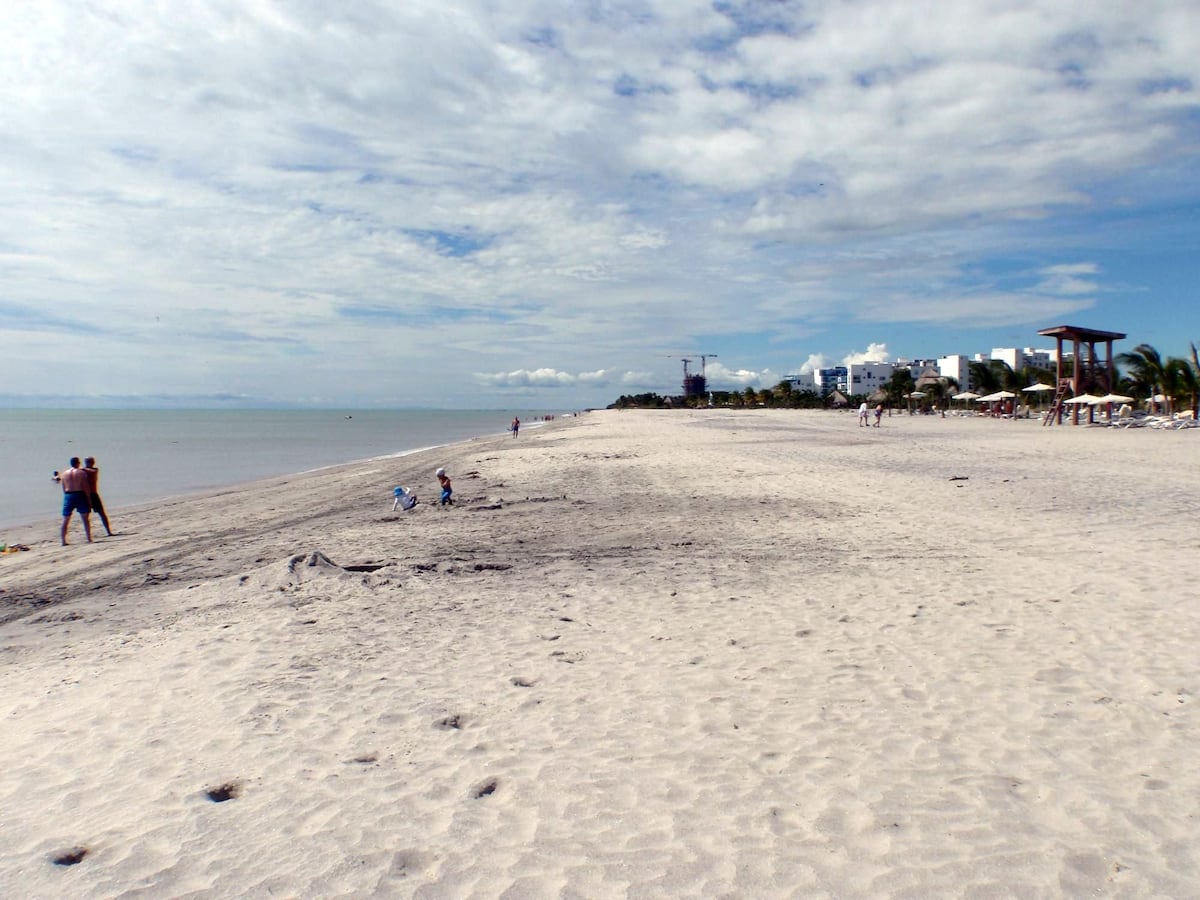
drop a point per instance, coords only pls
(712, 654)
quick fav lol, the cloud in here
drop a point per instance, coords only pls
(553, 378)
(294, 200)
(815, 361)
(873, 353)
(1064, 279)
(721, 377)
(523, 378)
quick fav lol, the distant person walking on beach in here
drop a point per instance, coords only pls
(862, 414)
(89, 466)
(878, 414)
(516, 426)
(447, 490)
(75, 482)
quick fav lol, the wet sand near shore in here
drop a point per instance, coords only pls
(713, 653)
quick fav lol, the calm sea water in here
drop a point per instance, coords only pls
(146, 455)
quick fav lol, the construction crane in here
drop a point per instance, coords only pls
(694, 385)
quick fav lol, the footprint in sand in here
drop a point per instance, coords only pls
(229, 791)
(485, 788)
(71, 857)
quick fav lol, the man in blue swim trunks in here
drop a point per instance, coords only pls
(75, 484)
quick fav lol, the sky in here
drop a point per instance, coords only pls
(525, 204)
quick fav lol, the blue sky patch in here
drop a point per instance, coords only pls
(450, 243)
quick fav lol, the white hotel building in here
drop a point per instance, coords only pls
(867, 377)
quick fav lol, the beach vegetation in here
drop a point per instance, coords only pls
(898, 387)
(640, 401)
(1145, 369)
(1182, 382)
(1146, 374)
(994, 375)
(747, 398)
(1037, 374)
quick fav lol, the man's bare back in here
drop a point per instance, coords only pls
(74, 480)
(76, 484)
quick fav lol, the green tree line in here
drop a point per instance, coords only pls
(1142, 373)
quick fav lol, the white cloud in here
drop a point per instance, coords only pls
(873, 353)
(525, 378)
(1084, 268)
(721, 377)
(1065, 280)
(548, 377)
(303, 200)
(815, 361)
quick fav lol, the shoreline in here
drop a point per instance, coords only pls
(7, 531)
(150, 455)
(747, 653)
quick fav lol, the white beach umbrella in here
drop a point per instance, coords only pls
(1112, 398)
(1038, 389)
(916, 395)
(998, 395)
(965, 395)
(1087, 399)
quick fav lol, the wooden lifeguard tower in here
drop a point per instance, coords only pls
(1088, 374)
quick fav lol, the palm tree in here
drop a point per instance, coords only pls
(1180, 379)
(1145, 368)
(1010, 379)
(899, 386)
(941, 390)
(1036, 374)
(1195, 379)
(983, 378)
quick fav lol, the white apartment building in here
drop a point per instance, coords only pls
(1018, 359)
(915, 366)
(825, 381)
(867, 377)
(957, 367)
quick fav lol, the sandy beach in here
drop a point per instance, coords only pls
(646, 654)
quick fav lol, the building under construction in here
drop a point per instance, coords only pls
(695, 385)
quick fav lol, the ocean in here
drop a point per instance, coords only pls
(147, 455)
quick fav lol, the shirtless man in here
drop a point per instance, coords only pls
(75, 484)
(89, 466)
